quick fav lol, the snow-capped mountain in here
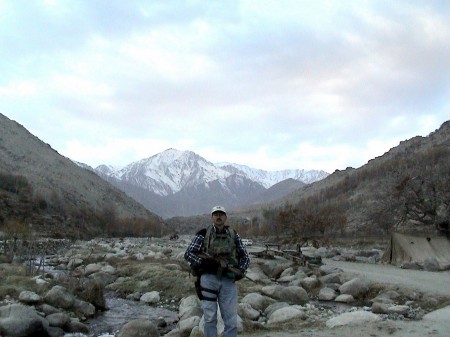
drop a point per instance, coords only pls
(170, 171)
(270, 178)
(107, 170)
(177, 182)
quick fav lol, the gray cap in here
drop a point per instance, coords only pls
(218, 209)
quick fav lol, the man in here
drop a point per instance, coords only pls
(220, 257)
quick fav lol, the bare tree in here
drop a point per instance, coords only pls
(425, 199)
(311, 218)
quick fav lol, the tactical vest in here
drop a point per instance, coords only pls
(222, 245)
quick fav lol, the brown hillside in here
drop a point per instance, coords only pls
(407, 189)
(40, 187)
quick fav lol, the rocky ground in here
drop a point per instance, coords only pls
(433, 289)
(279, 297)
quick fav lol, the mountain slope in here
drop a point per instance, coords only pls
(182, 183)
(231, 192)
(279, 190)
(170, 171)
(63, 188)
(412, 177)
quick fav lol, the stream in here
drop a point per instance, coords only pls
(121, 311)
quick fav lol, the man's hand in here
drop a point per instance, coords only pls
(238, 274)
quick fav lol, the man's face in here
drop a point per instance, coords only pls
(219, 218)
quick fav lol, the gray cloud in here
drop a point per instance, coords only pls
(306, 83)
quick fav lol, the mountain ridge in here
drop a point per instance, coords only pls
(52, 192)
(167, 160)
(270, 178)
(367, 195)
(182, 183)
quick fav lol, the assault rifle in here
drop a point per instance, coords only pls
(224, 266)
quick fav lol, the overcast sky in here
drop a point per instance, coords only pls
(269, 84)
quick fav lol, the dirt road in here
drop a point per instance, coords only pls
(433, 283)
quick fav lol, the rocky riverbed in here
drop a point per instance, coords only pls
(148, 280)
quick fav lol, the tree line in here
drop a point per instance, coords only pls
(24, 210)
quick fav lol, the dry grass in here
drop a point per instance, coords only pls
(151, 275)
(13, 280)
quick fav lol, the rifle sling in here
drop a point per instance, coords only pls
(206, 290)
(211, 299)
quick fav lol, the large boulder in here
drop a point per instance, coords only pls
(75, 326)
(287, 272)
(47, 309)
(151, 297)
(29, 297)
(309, 283)
(258, 301)
(274, 307)
(352, 318)
(380, 308)
(245, 310)
(139, 328)
(17, 320)
(107, 268)
(329, 269)
(54, 331)
(327, 294)
(92, 268)
(189, 307)
(293, 295)
(103, 277)
(84, 308)
(355, 287)
(59, 319)
(188, 324)
(344, 298)
(289, 294)
(74, 262)
(257, 275)
(274, 268)
(272, 290)
(331, 278)
(59, 297)
(286, 314)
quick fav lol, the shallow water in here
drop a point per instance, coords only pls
(122, 311)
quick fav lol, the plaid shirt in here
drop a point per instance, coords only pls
(196, 245)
